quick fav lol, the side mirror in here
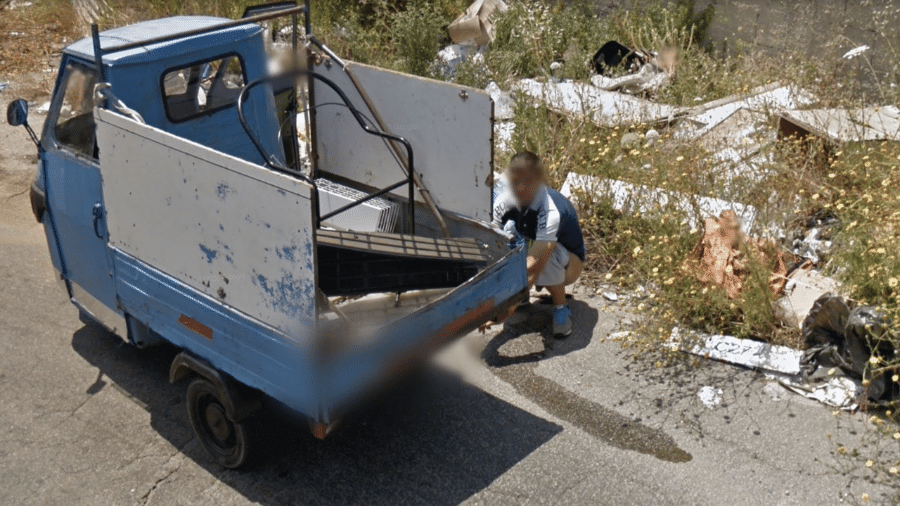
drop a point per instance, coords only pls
(17, 113)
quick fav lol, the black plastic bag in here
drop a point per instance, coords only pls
(836, 336)
(613, 54)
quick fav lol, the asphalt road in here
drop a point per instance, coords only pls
(499, 419)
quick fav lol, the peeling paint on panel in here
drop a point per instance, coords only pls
(289, 296)
(223, 190)
(210, 254)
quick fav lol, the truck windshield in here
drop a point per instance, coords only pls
(74, 127)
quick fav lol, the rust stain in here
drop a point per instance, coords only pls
(465, 320)
(196, 326)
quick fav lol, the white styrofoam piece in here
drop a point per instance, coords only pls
(847, 125)
(744, 352)
(767, 99)
(631, 198)
(606, 108)
(449, 126)
(375, 215)
(233, 230)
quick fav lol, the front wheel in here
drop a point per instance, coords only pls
(224, 440)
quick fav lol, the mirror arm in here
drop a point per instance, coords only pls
(34, 137)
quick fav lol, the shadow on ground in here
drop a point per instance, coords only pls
(431, 440)
(514, 353)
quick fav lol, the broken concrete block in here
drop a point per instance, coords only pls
(804, 287)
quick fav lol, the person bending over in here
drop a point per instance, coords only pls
(529, 208)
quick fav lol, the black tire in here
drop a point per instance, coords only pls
(225, 441)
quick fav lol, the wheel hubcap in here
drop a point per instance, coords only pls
(218, 423)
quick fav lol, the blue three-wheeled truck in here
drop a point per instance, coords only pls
(301, 227)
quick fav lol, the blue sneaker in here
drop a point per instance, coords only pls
(562, 322)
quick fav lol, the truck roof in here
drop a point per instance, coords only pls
(148, 30)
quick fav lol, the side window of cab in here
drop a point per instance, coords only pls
(74, 128)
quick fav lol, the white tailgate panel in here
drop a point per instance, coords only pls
(235, 231)
(451, 138)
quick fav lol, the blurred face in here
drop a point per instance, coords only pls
(525, 184)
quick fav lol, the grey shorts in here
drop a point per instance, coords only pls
(554, 273)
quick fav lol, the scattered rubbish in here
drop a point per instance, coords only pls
(812, 247)
(721, 257)
(43, 108)
(611, 296)
(629, 198)
(604, 108)
(803, 288)
(774, 390)
(842, 125)
(744, 352)
(843, 338)
(711, 397)
(649, 77)
(644, 71)
(503, 134)
(476, 25)
(504, 106)
(741, 129)
(15, 4)
(770, 99)
(853, 53)
(631, 140)
(454, 55)
(840, 392)
(4, 86)
(613, 54)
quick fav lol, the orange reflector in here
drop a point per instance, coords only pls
(196, 326)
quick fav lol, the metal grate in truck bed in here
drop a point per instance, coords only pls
(354, 263)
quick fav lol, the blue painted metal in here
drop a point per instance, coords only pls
(136, 79)
(254, 354)
(73, 189)
(349, 378)
(167, 51)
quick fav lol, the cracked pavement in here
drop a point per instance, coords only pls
(500, 419)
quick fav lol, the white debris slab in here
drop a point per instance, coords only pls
(844, 125)
(630, 198)
(504, 106)
(743, 352)
(856, 51)
(803, 289)
(605, 108)
(770, 99)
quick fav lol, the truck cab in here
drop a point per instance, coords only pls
(191, 195)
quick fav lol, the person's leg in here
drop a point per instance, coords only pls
(574, 270)
(558, 293)
(554, 277)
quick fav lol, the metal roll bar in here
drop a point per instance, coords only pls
(275, 164)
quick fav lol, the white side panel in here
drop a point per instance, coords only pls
(237, 232)
(451, 136)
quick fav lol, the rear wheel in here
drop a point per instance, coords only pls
(223, 439)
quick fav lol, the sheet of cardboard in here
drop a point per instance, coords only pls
(476, 25)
